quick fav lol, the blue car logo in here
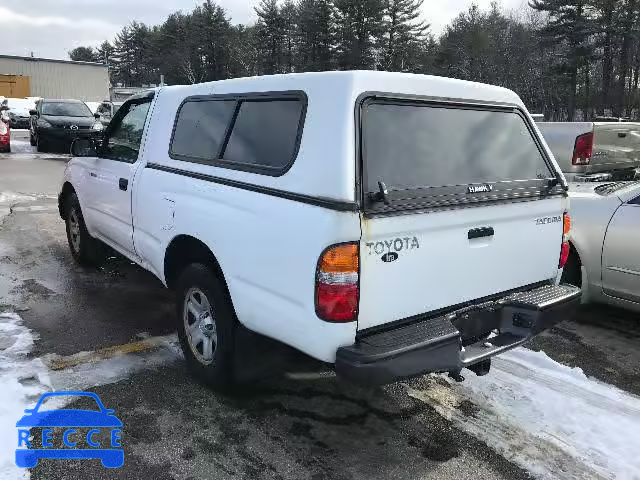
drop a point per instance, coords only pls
(70, 419)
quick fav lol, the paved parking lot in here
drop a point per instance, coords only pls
(305, 425)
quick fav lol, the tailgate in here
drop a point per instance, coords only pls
(438, 265)
(616, 146)
(460, 203)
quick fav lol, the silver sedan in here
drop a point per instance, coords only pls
(605, 243)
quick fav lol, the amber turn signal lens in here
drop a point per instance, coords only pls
(567, 224)
(340, 259)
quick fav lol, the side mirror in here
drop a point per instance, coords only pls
(33, 112)
(96, 115)
(83, 147)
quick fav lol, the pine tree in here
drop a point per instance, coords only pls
(270, 30)
(359, 33)
(104, 53)
(83, 54)
(315, 35)
(570, 24)
(404, 33)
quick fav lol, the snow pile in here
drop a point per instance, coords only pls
(22, 381)
(549, 418)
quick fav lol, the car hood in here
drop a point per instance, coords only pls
(57, 121)
(19, 113)
(69, 418)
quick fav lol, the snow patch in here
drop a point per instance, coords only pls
(548, 418)
(23, 380)
(12, 197)
(93, 373)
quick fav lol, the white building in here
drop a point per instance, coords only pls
(49, 78)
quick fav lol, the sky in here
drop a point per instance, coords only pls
(51, 28)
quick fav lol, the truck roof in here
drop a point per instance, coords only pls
(357, 82)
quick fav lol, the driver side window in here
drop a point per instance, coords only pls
(123, 140)
(635, 201)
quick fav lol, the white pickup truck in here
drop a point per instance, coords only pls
(390, 224)
(595, 151)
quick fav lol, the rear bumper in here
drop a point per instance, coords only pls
(436, 344)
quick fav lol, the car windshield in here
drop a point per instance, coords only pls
(65, 109)
(19, 105)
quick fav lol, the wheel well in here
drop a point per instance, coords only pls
(67, 189)
(184, 250)
(574, 266)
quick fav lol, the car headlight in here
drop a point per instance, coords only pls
(43, 123)
(97, 126)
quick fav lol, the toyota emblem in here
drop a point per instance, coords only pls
(73, 127)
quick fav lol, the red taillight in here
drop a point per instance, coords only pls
(337, 283)
(564, 254)
(565, 248)
(583, 149)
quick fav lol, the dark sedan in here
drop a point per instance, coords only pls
(60, 122)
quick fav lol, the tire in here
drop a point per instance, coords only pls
(84, 248)
(199, 286)
(32, 140)
(41, 144)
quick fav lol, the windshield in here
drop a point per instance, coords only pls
(410, 146)
(19, 105)
(65, 109)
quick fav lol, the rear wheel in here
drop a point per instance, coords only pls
(84, 248)
(206, 325)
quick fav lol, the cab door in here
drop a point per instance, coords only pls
(111, 176)
(621, 253)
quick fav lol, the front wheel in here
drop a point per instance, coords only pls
(206, 325)
(41, 144)
(84, 248)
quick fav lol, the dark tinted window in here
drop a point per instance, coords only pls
(201, 127)
(265, 133)
(409, 145)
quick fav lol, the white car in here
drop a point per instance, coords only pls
(386, 223)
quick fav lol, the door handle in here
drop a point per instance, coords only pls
(480, 232)
(622, 134)
(93, 174)
(123, 184)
